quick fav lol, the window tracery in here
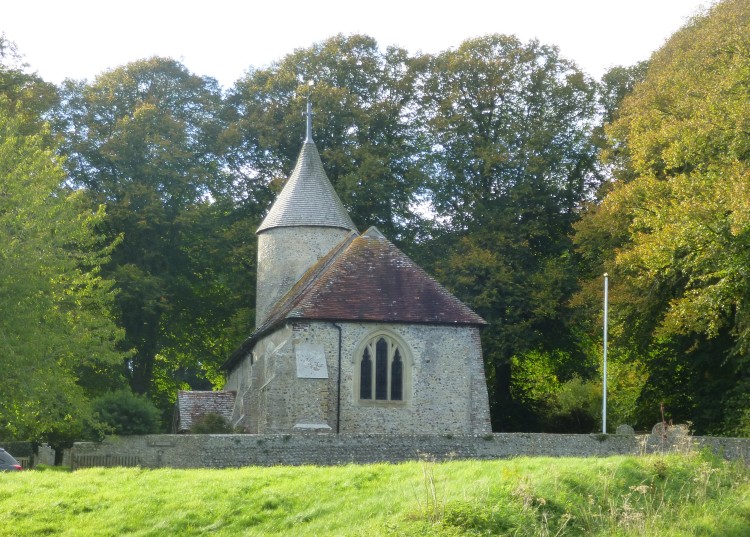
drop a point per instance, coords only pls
(381, 370)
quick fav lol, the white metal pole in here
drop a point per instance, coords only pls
(604, 372)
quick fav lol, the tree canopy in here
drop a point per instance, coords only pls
(23, 93)
(132, 258)
(674, 229)
(511, 158)
(57, 340)
(142, 140)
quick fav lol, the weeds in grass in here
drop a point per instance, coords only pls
(702, 479)
(545, 521)
(545, 530)
(430, 500)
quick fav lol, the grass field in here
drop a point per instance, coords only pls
(657, 495)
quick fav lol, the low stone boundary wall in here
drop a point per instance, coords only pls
(235, 450)
(29, 454)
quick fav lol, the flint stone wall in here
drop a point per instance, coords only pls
(284, 255)
(445, 391)
(227, 451)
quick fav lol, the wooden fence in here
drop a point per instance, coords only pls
(108, 461)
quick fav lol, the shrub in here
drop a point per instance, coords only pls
(126, 413)
(211, 424)
(575, 407)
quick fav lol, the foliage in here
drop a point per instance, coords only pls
(536, 378)
(575, 407)
(56, 329)
(23, 93)
(565, 402)
(510, 126)
(616, 84)
(673, 232)
(561, 405)
(142, 141)
(364, 128)
(666, 495)
(507, 119)
(211, 424)
(626, 381)
(126, 413)
(741, 425)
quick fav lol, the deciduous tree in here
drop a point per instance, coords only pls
(675, 228)
(23, 93)
(141, 140)
(58, 344)
(509, 125)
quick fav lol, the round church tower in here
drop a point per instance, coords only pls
(306, 221)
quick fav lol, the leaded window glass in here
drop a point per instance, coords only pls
(381, 370)
(365, 373)
(397, 377)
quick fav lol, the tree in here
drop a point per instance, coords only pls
(512, 160)
(674, 229)
(142, 141)
(23, 93)
(125, 413)
(617, 83)
(58, 344)
(364, 103)
(506, 118)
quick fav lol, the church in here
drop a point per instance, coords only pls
(351, 335)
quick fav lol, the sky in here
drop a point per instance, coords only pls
(81, 39)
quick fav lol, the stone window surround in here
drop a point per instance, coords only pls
(394, 342)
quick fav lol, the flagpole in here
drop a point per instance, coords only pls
(604, 373)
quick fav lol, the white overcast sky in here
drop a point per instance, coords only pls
(222, 38)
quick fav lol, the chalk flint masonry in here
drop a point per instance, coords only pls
(351, 335)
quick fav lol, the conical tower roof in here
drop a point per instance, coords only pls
(308, 198)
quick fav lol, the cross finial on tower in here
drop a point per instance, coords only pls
(309, 114)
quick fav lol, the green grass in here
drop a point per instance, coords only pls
(669, 495)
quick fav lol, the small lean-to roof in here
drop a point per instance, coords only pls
(192, 405)
(365, 279)
(308, 198)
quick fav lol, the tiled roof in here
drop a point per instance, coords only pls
(308, 198)
(281, 309)
(365, 278)
(191, 405)
(372, 280)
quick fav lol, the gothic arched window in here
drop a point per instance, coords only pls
(381, 369)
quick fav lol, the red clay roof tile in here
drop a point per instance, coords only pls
(365, 279)
(372, 280)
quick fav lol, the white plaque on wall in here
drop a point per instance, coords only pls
(311, 361)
